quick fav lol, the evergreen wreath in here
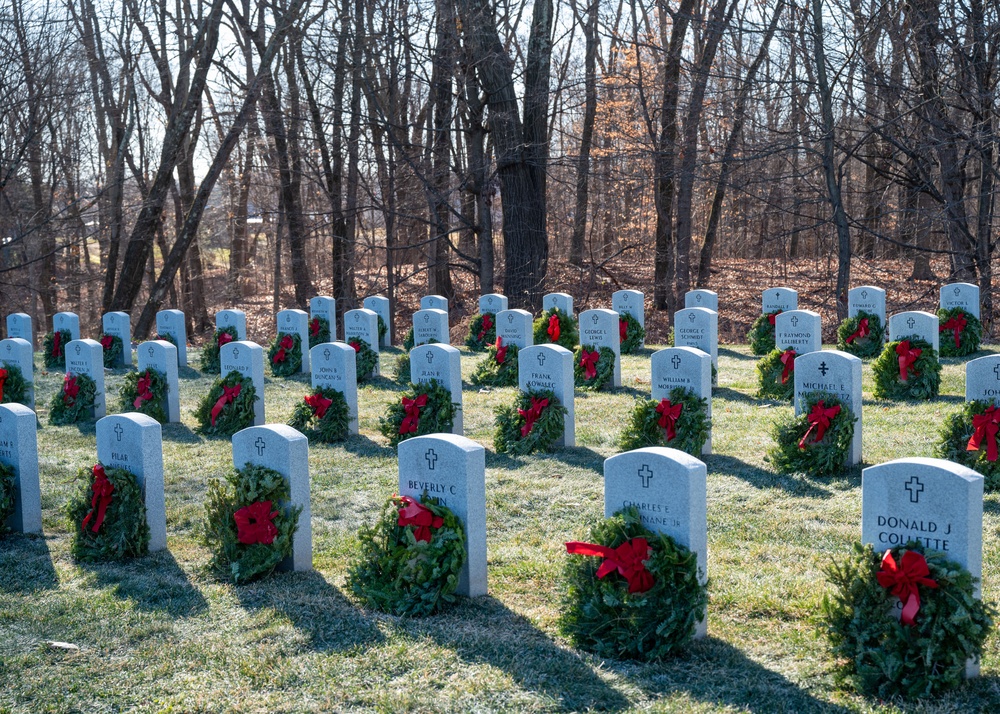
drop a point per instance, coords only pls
(403, 368)
(861, 335)
(145, 392)
(923, 374)
(366, 359)
(249, 525)
(382, 328)
(761, 334)
(818, 441)
(210, 352)
(322, 416)
(516, 436)
(53, 352)
(968, 328)
(482, 332)
(167, 338)
(74, 401)
(425, 409)
(959, 442)
(878, 655)
(232, 398)
(649, 616)
(13, 385)
(603, 371)
(408, 340)
(7, 495)
(319, 331)
(409, 570)
(567, 334)
(108, 516)
(499, 367)
(112, 349)
(285, 354)
(776, 375)
(630, 333)
(682, 423)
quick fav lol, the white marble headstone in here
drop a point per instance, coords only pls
(550, 367)
(134, 442)
(963, 295)
(232, 318)
(686, 367)
(599, 328)
(800, 330)
(514, 327)
(702, 298)
(19, 325)
(87, 357)
(19, 450)
(452, 469)
(434, 302)
(285, 450)
(982, 379)
(247, 358)
(67, 321)
(633, 302)
(362, 324)
(17, 351)
(443, 363)
(867, 298)
(171, 322)
(334, 366)
(698, 327)
(430, 324)
(915, 324)
(380, 306)
(325, 307)
(118, 324)
(668, 487)
(782, 298)
(563, 301)
(494, 302)
(838, 373)
(162, 356)
(295, 322)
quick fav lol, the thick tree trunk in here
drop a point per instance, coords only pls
(439, 275)
(578, 237)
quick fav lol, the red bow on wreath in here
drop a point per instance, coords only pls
(286, 344)
(224, 338)
(143, 387)
(102, 489)
(669, 414)
(627, 559)
(314, 327)
(57, 344)
(70, 389)
(770, 318)
(485, 326)
(788, 360)
(957, 324)
(229, 395)
(862, 331)
(819, 418)
(501, 351)
(255, 523)
(907, 357)
(622, 330)
(553, 330)
(319, 404)
(588, 360)
(532, 414)
(413, 513)
(107, 341)
(986, 426)
(411, 408)
(3, 378)
(356, 345)
(902, 580)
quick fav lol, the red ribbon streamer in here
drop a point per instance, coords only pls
(143, 387)
(229, 395)
(413, 513)
(412, 407)
(819, 418)
(907, 357)
(986, 426)
(532, 414)
(788, 360)
(3, 378)
(902, 580)
(486, 325)
(255, 523)
(319, 404)
(627, 559)
(862, 331)
(501, 351)
(554, 328)
(770, 318)
(588, 360)
(669, 414)
(57, 344)
(314, 327)
(224, 338)
(622, 330)
(102, 489)
(70, 389)
(286, 344)
(957, 324)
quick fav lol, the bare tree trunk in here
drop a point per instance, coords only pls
(439, 276)
(578, 237)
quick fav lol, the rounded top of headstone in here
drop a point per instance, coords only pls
(684, 349)
(828, 355)
(548, 347)
(19, 341)
(419, 443)
(680, 458)
(434, 347)
(140, 420)
(16, 410)
(282, 430)
(925, 464)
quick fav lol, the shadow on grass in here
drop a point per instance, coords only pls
(736, 681)
(580, 457)
(631, 391)
(26, 564)
(725, 352)
(190, 373)
(316, 608)
(760, 478)
(154, 583)
(361, 445)
(180, 433)
(732, 395)
(484, 631)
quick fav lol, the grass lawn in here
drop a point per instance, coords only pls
(162, 634)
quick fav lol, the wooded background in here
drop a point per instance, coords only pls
(191, 154)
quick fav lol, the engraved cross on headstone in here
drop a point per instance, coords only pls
(489, 300)
(510, 319)
(864, 294)
(260, 444)
(431, 459)
(691, 317)
(326, 353)
(915, 488)
(119, 431)
(357, 316)
(541, 359)
(795, 321)
(236, 353)
(697, 297)
(430, 357)
(645, 473)
(958, 291)
(149, 351)
(996, 370)
(78, 350)
(595, 319)
(676, 361)
(910, 323)
(823, 369)
(426, 317)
